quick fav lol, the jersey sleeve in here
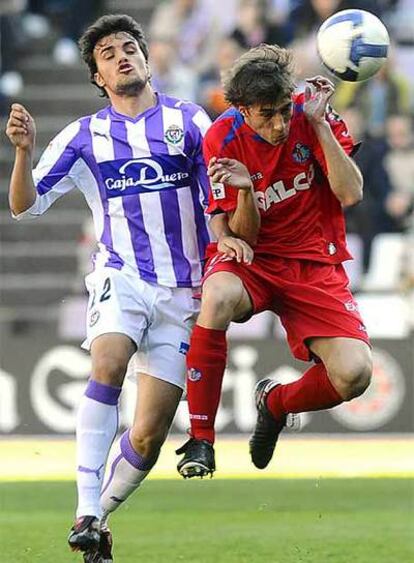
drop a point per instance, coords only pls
(342, 134)
(222, 197)
(55, 174)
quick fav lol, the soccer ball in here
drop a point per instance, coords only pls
(353, 44)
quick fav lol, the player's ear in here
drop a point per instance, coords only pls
(99, 80)
(243, 110)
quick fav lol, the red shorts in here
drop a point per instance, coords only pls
(311, 298)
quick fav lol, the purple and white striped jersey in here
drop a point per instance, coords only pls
(144, 180)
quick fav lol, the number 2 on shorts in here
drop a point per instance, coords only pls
(106, 293)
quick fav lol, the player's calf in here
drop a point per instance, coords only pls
(148, 442)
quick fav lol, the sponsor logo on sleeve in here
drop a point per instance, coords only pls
(218, 191)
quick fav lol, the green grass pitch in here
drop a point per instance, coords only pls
(223, 521)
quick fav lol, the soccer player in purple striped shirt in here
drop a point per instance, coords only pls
(139, 164)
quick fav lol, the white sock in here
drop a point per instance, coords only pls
(96, 428)
(126, 471)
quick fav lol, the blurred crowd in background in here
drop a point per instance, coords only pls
(192, 42)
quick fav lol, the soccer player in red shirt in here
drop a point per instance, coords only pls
(281, 173)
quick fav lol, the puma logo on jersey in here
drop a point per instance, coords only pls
(257, 176)
(278, 192)
(99, 134)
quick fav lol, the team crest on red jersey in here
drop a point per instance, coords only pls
(301, 153)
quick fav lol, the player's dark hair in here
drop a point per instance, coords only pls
(262, 75)
(104, 26)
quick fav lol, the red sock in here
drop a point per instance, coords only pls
(206, 361)
(312, 392)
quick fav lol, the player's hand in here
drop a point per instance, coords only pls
(21, 128)
(235, 248)
(317, 94)
(229, 171)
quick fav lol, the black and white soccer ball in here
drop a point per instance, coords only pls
(353, 44)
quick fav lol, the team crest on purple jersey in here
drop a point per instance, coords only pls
(301, 153)
(174, 134)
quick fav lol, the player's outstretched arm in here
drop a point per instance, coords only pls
(244, 221)
(344, 175)
(21, 131)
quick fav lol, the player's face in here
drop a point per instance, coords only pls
(122, 68)
(271, 122)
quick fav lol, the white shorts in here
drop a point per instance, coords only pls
(158, 319)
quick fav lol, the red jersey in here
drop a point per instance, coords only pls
(300, 215)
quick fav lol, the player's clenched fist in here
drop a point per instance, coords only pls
(21, 128)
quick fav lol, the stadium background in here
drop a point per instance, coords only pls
(43, 300)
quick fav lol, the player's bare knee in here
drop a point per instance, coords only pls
(360, 380)
(109, 369)
(353, 378)
(220, 301)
